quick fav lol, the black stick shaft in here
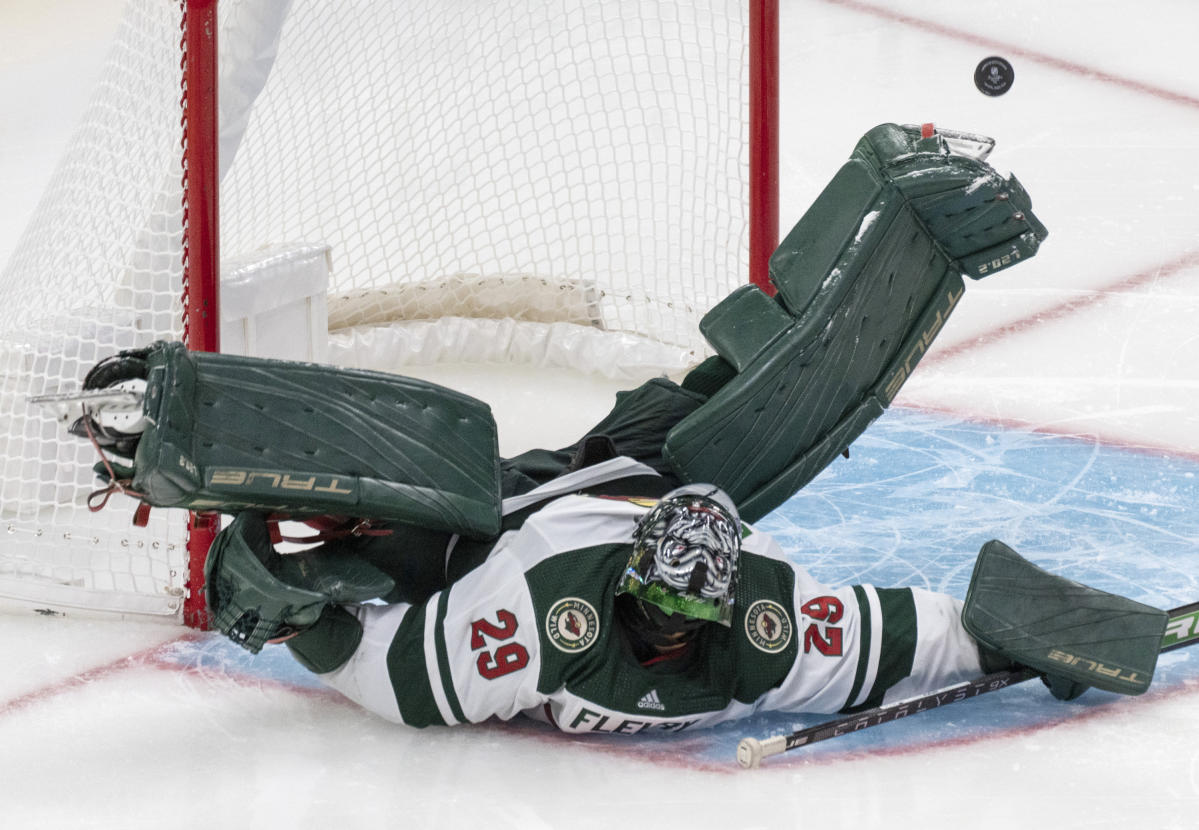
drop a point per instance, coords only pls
(1182, 629)
(902, 709)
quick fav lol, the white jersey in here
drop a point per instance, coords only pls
(533, 630)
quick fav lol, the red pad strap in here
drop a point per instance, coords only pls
(141, 516)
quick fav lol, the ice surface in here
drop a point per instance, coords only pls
(1056, 412)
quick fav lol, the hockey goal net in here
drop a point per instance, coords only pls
(579, 167)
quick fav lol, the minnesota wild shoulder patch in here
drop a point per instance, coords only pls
(572, 624)
(768, 626)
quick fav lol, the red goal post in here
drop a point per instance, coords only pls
(608, 168)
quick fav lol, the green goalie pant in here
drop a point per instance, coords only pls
(233, 433)
(865, 282)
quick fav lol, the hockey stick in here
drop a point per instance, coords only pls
(1182, 629)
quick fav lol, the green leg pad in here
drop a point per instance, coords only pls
(232, 433)
(865, 280)
(1059, 627)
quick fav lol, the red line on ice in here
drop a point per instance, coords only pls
(154, 657)
(149, 657)
(1081, 303)
(1010, 49)
(1164, 270)
(684, 755)
(1122, 705)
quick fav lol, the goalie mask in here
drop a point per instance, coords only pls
(685, 555)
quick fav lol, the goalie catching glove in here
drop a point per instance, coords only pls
(256, 595)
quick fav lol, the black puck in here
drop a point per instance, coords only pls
(994, 76)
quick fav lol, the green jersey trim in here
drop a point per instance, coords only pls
(443, 658)
(859, 677)
(899, 640)
(897, 652)
(409, 677)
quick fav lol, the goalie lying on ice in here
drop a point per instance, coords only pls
(605, 614)
(555, 583)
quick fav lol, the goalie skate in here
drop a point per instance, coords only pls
(113, 416)
(118, 406)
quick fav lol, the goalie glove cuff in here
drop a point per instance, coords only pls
(329, 643)
(255, 595)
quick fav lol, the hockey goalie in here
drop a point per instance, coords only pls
(619, 584)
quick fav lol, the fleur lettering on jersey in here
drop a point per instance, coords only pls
(592, 721)
(767, 626)
(572, 625)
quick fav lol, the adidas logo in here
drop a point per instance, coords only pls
(650, 701)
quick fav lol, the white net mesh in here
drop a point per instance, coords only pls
(602, 149)
(97, 270)
(572, 163)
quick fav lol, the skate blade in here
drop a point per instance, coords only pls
(68, 406)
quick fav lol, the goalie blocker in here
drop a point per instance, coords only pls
(865, 282)
(1075, 635)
